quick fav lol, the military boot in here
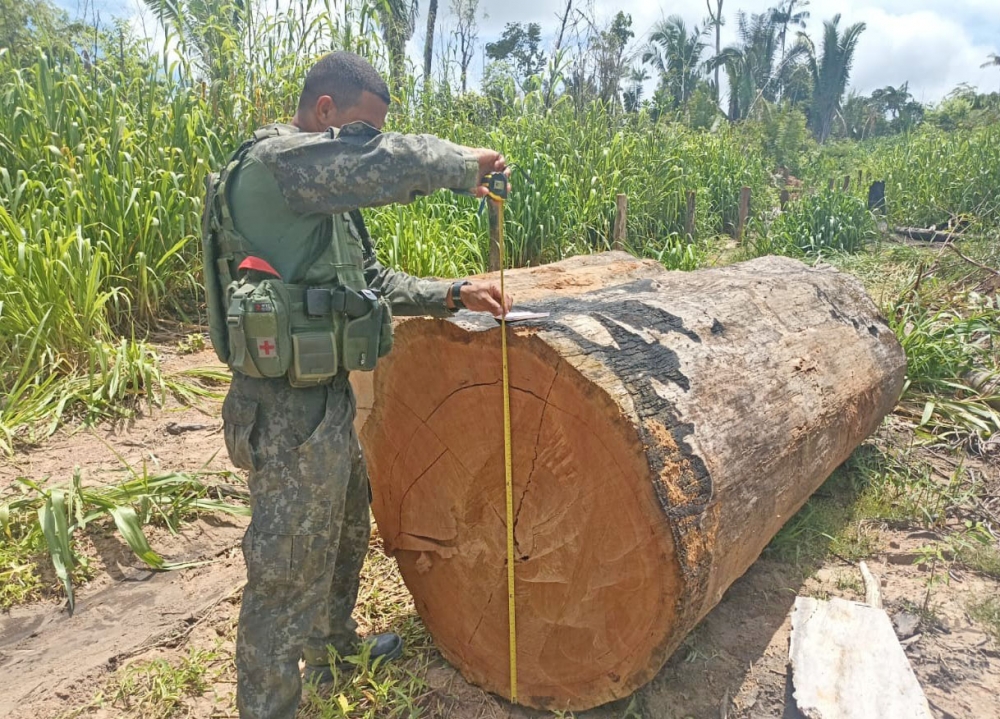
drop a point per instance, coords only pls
(388, 646)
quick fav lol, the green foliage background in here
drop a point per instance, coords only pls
(104, 154)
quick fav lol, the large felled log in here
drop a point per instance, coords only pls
(663, 431)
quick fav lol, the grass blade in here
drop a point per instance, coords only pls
(926, 417)
(52, 518)
(130, 528)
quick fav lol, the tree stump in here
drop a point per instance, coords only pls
(663, 430)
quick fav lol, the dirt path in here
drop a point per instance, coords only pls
(174, 438)
(733, 665)
(47, 656)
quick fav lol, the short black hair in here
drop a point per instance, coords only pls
(343, 76)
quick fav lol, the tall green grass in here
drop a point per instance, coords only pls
(101, 176)
(102, 168)
(930, 175)
(818, 224)
(570, 168)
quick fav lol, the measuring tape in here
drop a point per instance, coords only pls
(496, 188)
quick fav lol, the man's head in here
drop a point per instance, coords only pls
(342, 88)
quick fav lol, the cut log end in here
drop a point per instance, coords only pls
(596, 573)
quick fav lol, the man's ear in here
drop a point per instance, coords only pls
(326, 111)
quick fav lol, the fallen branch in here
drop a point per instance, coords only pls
(925, 234)
(971, 261)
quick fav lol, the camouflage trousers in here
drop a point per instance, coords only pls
(308, 537)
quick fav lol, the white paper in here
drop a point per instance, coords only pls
(523, 315)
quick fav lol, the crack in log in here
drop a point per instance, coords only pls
(534, 459)
(451, 394)
(402, 499)
(489, 601)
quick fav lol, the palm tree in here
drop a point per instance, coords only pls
(675, 53)
(785, 15)
(993, 61)
(716, 20)
(432, 11)
(831, 72)
(398, 19)
(893, 99)
(736, 62)
(205, 28)
(861, 115)
(750, 64)
(632, 96)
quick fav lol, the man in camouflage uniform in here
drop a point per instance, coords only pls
(309, 489)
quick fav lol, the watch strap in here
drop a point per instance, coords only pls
(456, 294)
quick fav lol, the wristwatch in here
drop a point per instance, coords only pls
(456, 294)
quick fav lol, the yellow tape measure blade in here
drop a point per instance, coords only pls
(508, 475)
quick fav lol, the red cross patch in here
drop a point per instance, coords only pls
(266, 347)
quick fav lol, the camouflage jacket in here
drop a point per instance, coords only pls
(288, 184)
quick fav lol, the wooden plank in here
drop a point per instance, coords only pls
(847, 664)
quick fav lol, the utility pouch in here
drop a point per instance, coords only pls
(315, 358)
(362, 334)
(259, 328)
(385, 336)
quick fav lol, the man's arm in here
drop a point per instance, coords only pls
(410, 295)
(320, 173)
(406, 294)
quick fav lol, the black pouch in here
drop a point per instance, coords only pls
(385, 335)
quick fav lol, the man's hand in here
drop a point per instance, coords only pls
(483, 297)
(490, 161)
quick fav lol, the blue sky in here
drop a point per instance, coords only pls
(933, 44)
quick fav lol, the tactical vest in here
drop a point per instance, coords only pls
(263, 326)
